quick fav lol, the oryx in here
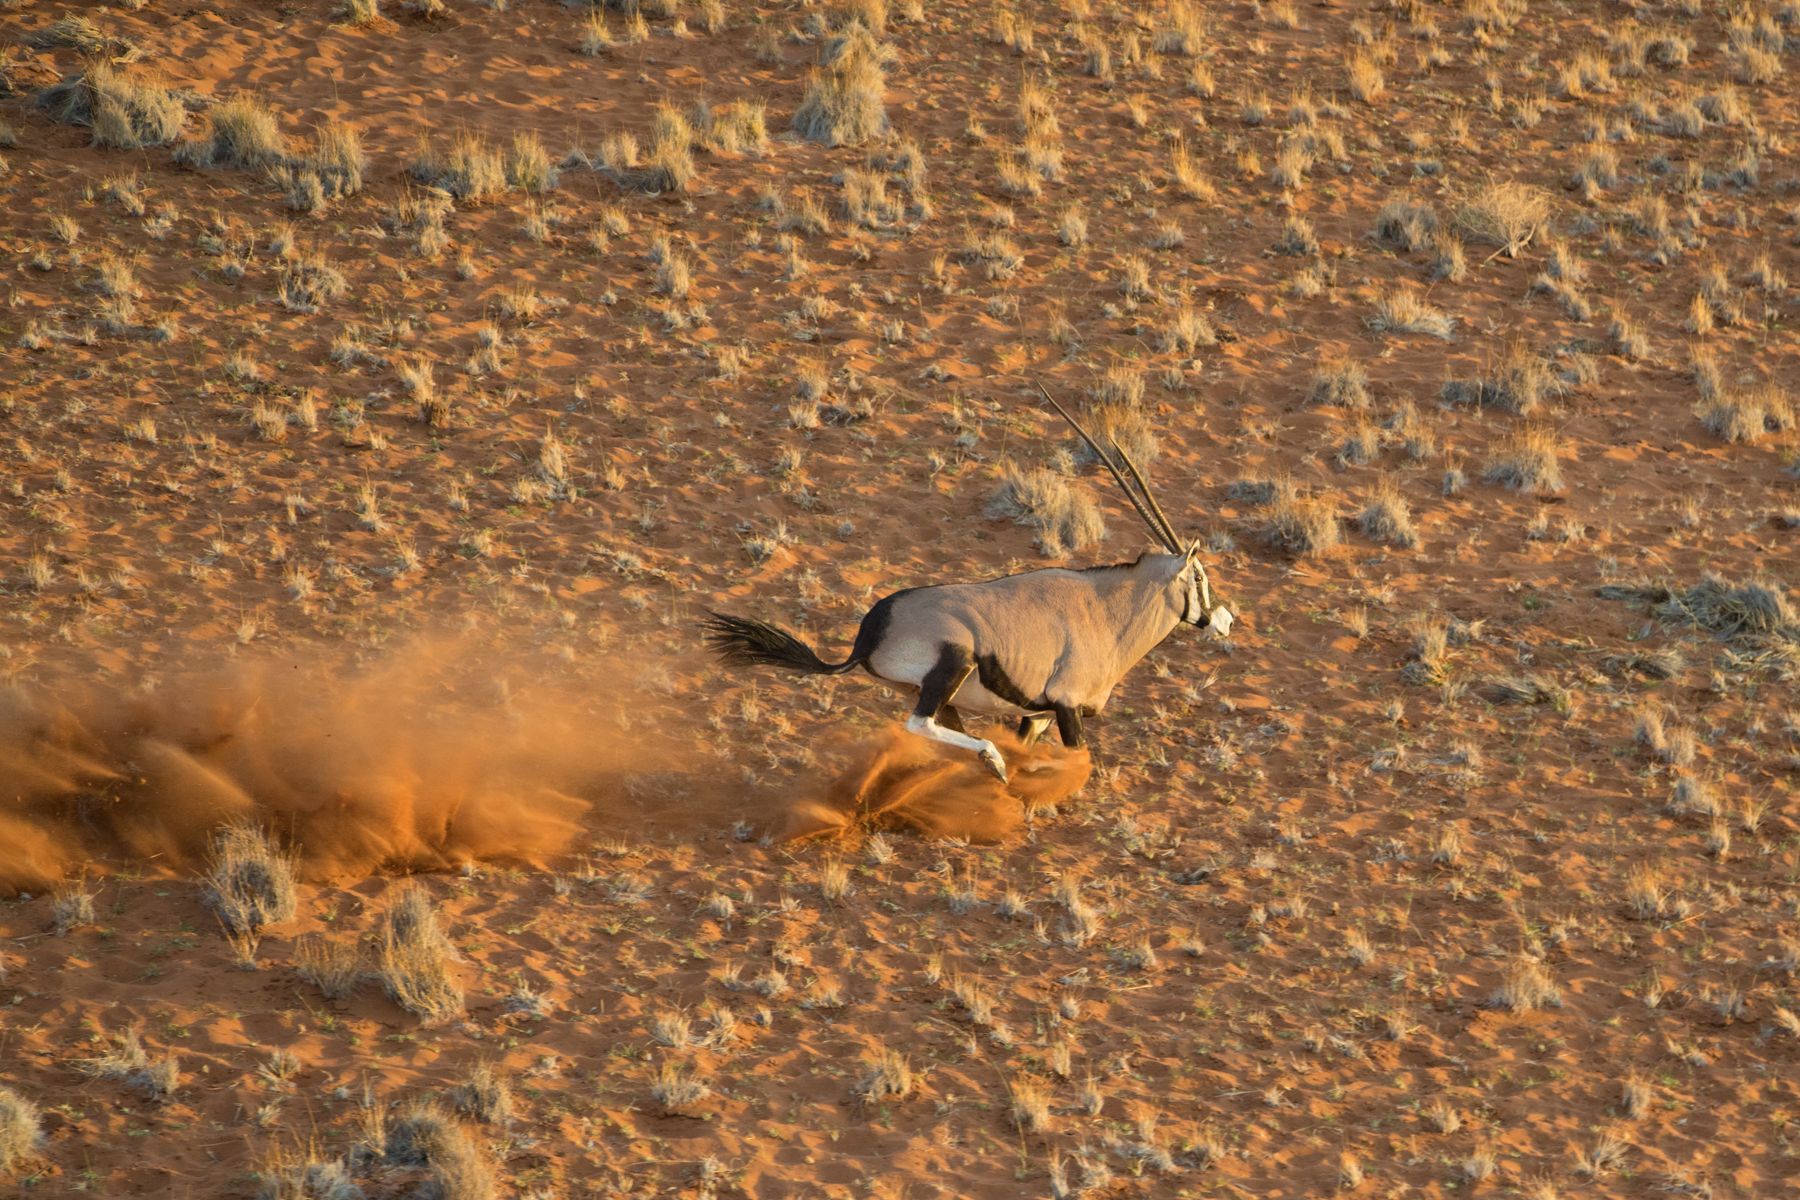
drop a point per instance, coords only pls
(1048, 644)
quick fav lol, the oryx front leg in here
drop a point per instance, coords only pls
(1032, 727)
(936, 690)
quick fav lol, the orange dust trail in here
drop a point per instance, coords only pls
(901, 781)
(427, 760)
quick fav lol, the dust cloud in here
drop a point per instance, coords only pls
(900, 781)
(429, 759)
(435, 755)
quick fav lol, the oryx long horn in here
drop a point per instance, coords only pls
(1137, 476)
(1124, 486)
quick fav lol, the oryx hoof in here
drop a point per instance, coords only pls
(991, 759)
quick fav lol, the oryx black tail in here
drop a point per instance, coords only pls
(743, 642)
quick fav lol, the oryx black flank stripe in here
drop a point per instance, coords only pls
(995, 679)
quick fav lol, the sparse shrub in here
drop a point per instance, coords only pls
(1748, 416)
(1526, 986)
(1388, 518)
(528, 164)
(1067, 519)
(1403, 309)
(332, 965)
(309, 283)
(484, 1094)
(845, 103)
(1527, 460)
(1520, 383)
(1406, 224)
(1502, 213)
(1343, 382)
(20, 1132)
(889, 1077)
(71, 907)
(242, 133)
(468, 167)
(412, 957)
(677, 1088)
(125, 113)
(249, 883)
(1305, 525)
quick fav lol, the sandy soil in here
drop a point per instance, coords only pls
(1265, 950)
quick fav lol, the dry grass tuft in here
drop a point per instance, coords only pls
(1306, 525)
(484, 1095)
(1526, 986)
(1520, 383)
(20, 1132)
(241, 134)
(1066, 517)
(1388, 518)
(412, 957)
(845, 103)
(1402, 309)
(249, 883)
(1502, 213)
(1029, 1100)
(889, 1077)
(332, 965)
(1750, 415)
(1343, 382)
(678, 1089)
(125, 113)
(1527, 460)
(468, 167)
(310, 283)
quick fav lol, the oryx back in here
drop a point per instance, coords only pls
(1038, 640)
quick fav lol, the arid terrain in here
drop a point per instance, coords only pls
(387, 393)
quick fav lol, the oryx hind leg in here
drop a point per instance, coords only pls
(954, 666)
(1032, 727)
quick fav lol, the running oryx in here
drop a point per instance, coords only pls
(1051, 643)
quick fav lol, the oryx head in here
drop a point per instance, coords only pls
(1190, 587)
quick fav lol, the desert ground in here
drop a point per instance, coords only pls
(388, 392)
